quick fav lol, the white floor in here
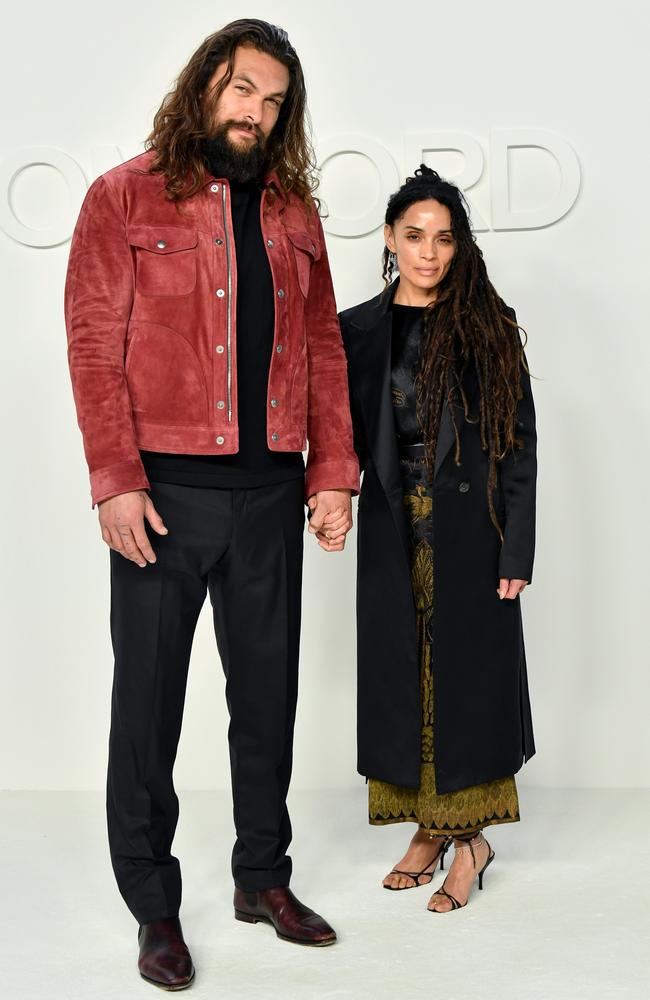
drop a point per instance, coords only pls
(564, 913)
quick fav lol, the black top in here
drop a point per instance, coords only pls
(254, 464)
(406, 346)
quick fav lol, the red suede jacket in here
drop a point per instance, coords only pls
(150, 307)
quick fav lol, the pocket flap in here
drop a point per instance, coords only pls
(303, 241)
(162, 239)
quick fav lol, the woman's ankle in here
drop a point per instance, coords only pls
(470, 843)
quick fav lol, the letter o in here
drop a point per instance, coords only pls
(382, 161)
(32, 156)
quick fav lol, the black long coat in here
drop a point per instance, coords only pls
(482, 721)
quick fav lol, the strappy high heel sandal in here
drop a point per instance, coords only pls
(455, 905)
(425, 873)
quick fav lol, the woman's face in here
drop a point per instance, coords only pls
(424, 245)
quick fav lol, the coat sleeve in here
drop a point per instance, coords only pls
(331, 460)
(98, 300)
(518, 475)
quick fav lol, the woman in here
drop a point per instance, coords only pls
(445, 431)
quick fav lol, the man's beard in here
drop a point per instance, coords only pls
(237, 163)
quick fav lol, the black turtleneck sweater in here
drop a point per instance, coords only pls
(254, 464)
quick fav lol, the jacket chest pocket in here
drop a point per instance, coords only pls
(165, 259)
(306, 249)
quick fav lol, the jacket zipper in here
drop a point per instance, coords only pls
(228, 305)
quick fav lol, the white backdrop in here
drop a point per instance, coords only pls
(86, 83)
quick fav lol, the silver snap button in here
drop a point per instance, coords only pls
(279, 348)
(214, 188)
(280, 293)
(220, 404)
(219, 242)
(161, 244)
(220, 439)
(275, 436)
(220, 293)
(274, 403)
(219, 348)
(269, 243)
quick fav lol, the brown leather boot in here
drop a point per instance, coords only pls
(164, 957)
(293, 921)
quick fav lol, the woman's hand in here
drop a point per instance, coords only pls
(331, 518)
(510, 588)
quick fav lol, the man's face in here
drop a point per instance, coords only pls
(248, 108)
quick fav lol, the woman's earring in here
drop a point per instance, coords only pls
(392, 256)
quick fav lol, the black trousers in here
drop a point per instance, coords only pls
(245, 547)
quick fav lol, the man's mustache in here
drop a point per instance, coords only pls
(248, 126)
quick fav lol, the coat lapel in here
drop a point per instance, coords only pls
(371, 360)
(373, 385)
(446, 435)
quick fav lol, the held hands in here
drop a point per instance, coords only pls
(509, 589)
(121, 519)
(331, 518)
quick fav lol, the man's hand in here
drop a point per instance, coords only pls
(509, 589)
(331, 518)
(121, 519)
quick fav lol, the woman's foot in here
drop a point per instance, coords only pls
(418, 865)
(470, 858)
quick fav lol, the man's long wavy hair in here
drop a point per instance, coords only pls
(183, 119)
(466, 328)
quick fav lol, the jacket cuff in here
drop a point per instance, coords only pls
(123, 477)
(511, 568)
(332, 476)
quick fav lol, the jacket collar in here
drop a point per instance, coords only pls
(271, 180)
(374, 311)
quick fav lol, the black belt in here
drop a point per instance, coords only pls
(411, 450)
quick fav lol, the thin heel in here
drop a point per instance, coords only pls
(482, 871)
(246, 917)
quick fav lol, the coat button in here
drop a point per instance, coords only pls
(220, 404)
(275, 436)
(219, 439)
(280, 293)
(219, 242)
(274, 403)
(219, 348)
(463, 487)
(161, 244)
(279, 348)
(269, 243)
(214, 188)
(220, 293)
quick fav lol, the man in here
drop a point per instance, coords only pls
(204, 350)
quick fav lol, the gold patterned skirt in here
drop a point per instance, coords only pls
(468, 809)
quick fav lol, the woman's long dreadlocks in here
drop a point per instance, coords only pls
(465, 329)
